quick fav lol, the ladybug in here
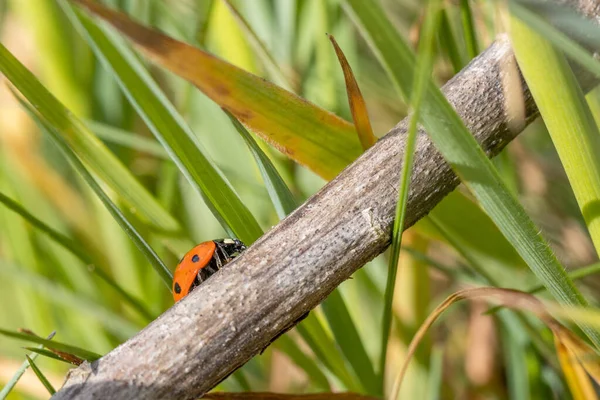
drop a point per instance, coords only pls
(201, 262)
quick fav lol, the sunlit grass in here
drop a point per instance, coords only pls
(162, 167)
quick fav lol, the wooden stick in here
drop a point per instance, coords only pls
(232, 316)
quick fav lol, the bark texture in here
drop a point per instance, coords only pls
(292, 268)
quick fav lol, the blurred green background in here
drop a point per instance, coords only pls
(45, 288)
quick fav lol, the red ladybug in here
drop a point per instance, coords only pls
(201, 262)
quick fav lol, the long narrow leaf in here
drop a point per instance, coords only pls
(564, 18)
(306, 133)
(466, 16)
(280, 194)
(436, 374)
(466, 157)
(128, 139)
(19, 373)
(297, 355)
(425, 64)
(259, 47)
(561, 40)
(448, 42)
(570, 122)
(155, 261)
(468, 224)
(79, 352)
(347, 337)
(240, 378)
(46, 353)
(515, 359)
(41, 376)
(325, 349)
(92, 151)
(61, 295)
(169, 128)
(358, 107)
(76, 250)
(510, 298)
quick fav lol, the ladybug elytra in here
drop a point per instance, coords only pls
(201, 262)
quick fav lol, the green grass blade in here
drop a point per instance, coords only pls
(571, 48)
(76, 351)
(579, 273)
(320, 140)
(280, 194)
(155, 261)
(564, 18)
(61, 295)
(515, 357)
(168, 127)
(436, 374)
(203, 19)
(325, 349)
(287, 345)
(472, 262)
(444, 269)
(150, 146)
(19, 373)
(91, 150)
(58, 237)
(468, 224)
(128, 139)
(76, 250)
(570, 122)
(593, 100)
(460, 149)
(240, 378)
(260, 49)
(349, 341)
(41, 376)
(425, 65)
(466, 17)
(14, 380)
(447, 40)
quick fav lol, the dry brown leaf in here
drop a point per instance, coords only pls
(579, 384)
(512, 299)
(308, 134)
(358, 107)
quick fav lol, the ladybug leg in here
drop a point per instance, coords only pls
(221, 255)
(204, 273)
(285, 330)
(217, 258)
(228, 255)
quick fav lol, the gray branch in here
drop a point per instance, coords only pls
(234, 315)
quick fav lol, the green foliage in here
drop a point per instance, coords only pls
(118, 167)
(41, 376)
(451, 137)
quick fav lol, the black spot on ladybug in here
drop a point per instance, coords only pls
(177, 288)
(195, 258)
